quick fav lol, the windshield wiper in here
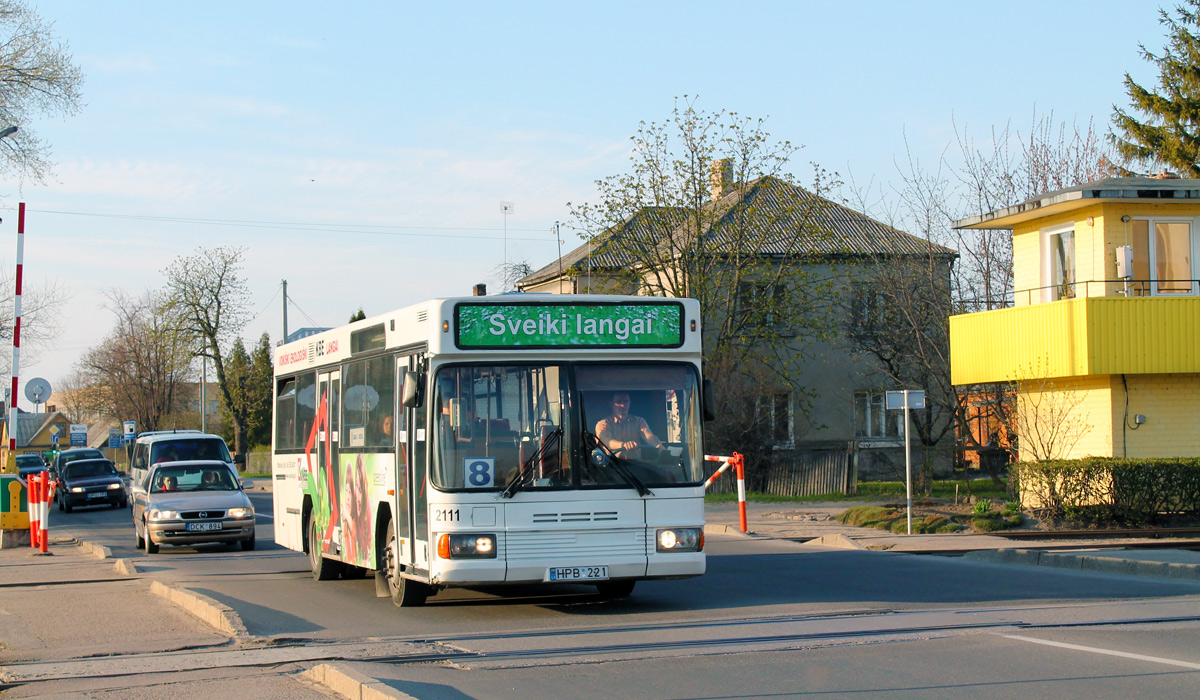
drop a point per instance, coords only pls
(619, 464)
(527, 469)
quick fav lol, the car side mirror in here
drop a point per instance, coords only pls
(239, 459)
(246, 485)
(137, 490)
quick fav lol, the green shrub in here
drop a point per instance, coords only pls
(982, 509)
(1014, 519)
(948, 528)
(988, 524)
(1127, 491)
(1012, 507)
(867, 516)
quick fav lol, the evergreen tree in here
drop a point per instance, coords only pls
(1170, 136)
(357, 315)
(248, 412)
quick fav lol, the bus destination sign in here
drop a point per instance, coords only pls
(596, 325)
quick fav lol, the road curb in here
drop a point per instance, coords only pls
(96, 550)
(1089, 562)
(721, 529)
(220, 616)
(352, 684)
(838, 541)
(125, 566)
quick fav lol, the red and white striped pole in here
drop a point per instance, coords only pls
(16, 362)
(738, 462)
(44, 510)
(35, 510)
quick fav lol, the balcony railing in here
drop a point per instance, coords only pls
(1119, 287)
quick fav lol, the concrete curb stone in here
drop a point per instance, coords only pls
(98, 551)
(218, 615)
(1089, 562)
(352, 684)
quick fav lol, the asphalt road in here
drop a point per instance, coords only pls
(770, 619)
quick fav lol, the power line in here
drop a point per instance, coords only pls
(300, 226)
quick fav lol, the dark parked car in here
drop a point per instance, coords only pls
(62, 459)
(191, 503)
(29, 464)
(91, 482)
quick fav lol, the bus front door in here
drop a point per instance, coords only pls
(327, 508)
(418, 495)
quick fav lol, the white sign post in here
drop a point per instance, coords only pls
(906, 399)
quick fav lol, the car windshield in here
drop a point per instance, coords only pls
(81, 469)
(216, 477)
(186, 449)
(68, 457)
(28, 461)
(517, 427)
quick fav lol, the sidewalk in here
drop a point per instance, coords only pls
(814, 524)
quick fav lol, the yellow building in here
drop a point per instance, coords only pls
(1103, 340)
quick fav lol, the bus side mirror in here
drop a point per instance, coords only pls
(410, 393)
(710, 401)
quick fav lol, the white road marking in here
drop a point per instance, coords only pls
(1109, 652)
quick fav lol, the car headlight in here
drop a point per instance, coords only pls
(156, 514)
(680, 539)
(76, 489)
(467, 546)
(114, 487)
(240, 513)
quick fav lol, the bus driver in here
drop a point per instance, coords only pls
(624, 433)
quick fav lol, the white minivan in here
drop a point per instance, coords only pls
(175, 446)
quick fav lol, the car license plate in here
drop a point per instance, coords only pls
(203, 527)
(97, 495)
(577, 573)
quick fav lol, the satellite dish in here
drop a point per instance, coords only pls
(37, 390)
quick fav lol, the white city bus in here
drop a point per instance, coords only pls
(474, 441)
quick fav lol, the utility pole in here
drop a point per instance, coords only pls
(285, 311)
(559, 239)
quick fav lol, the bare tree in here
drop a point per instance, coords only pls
(41, 304)
(37, 77)
(208, 295)
(137, 371)
(708, 211)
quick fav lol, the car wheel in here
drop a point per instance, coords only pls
(616, 589)
(406, 593)
(66, 506)
(141, 541)
(322, 569)
(248, 544)
(151, 547)
(60, 504)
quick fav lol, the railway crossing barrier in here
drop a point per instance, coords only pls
(738, 462)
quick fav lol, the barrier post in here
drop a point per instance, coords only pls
(739, 464)
(35, 511)
(44, 505)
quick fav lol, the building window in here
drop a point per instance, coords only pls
(1162, 257)
(871, 418)
(775, 416)
(1060, 249)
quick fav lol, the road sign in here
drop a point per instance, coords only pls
(895, 399)
(114, 438)
(130, 428)
(78, 434)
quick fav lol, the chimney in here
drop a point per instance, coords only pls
(721, 178)
(480, 290)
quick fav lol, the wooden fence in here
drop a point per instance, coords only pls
(795, 474)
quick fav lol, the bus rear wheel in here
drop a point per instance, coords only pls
(322, 569)
(406, 593)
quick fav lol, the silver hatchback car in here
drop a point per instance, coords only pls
(191, 502)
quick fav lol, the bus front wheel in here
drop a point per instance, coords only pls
(322, 569)
(406, 593)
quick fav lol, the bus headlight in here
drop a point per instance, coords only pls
(680, 539)
(467, 546)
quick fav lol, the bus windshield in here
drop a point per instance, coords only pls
(517, 426)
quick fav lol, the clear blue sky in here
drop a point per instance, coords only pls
(385, 135)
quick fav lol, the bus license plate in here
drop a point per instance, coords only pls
(577, 573)
(203, 527)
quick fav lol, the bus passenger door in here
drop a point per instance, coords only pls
(418, 495)
(327, 508)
